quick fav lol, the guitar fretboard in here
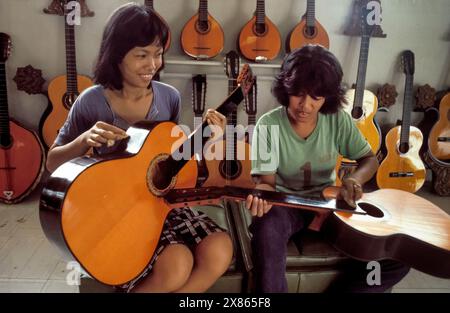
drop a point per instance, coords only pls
(4, 113)
(149, 3)
(310, 13)
(71, 59)
(407, 104)
(260, 12)
(203, 11)
(362, 69)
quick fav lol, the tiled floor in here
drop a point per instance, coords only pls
(29, 263)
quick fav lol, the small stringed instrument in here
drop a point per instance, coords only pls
(402, 168)
(22, 156)
(149, 3)
(233, 165)
(439, 140)
(101, 210)
(259, 39)
(202, 36)
(386, 224)
(308, 31)
(63, 90)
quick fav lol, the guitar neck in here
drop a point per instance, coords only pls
(260, 12)
(203, 11)
(362, 69)
(407, 104)
(4, 113)
(71, 59)
(251, 119)
(149, 3)
(310, 13)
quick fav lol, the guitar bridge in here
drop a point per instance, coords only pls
(401, 174)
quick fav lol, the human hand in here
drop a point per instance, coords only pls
(103, 133)
(351, 191)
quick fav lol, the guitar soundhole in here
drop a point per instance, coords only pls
(309, 32)
(260, 29)
(357, 112)
(230, 169)
(371, 210)
(160, 178)
(404, 147)
(202, 27)
(6, 142)
(68, 99)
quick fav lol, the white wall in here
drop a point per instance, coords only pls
(419, 25)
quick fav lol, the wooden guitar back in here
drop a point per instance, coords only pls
(439, 139)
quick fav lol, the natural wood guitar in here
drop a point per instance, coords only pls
(63, 90)
(22, 156)
(308, 31)
(439, 139)
(387, 223)
(202, 36)
(259, 39)
(403, 168)
(101, 210)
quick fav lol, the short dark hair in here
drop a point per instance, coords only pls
(131, 25)
(311, 70)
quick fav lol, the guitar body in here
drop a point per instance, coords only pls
(57, 90)
(253, 46)
(202, 44)
(239, 172)
(21, 164)
(299, 36)
(401, 226)
(439, 139)
(366, 122)
(396, 162)
(105, 214)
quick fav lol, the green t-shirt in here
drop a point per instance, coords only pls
(304, 166)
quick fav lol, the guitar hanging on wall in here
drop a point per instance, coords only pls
(63, 90)
(308, 31)
(259, 39)
(149, 3)
(202, 36)
(403, 168)
(22, 156)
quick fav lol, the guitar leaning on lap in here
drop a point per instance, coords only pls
(107, 212)
(202, 36)
(63, 90)
(403, 168)
(22, 156)
(387, 223)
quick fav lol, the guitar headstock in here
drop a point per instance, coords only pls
(245, 79)
(408, 62)
(250, 100)
(198, 93)
(232, 64)
(370, 16)
(5, 47)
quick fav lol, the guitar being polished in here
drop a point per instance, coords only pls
(115, 200)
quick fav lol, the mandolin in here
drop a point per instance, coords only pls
(63, 90)
(308, 31)
(403, 168)
(259, 39)
(202, 37)
(149, 3)
(386, 224)
(234, 165)
(439, 139)
(22, 156)
(107, 212)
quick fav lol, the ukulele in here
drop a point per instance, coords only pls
(235, 168)
(22, 156)
(149, 3)
(63, 90)
(386, 224)
(308, 31)
(100, 210)
(202, 37)
(439, 140)
(259, 39)
(402, 168)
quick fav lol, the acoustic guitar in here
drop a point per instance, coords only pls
(403, 168)
(439, 139)
(308, 31)
(202, 37)
(386, 224)
(22, 156)
(63, 90)
(107, 212)
(259, 39)
(149, 3)
(233, 165)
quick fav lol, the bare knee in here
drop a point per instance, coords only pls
(214, 253)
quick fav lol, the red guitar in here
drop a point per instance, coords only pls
(22, 156)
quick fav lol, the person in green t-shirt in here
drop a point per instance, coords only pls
(294, 149)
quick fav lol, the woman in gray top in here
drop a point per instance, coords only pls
(193, 251)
